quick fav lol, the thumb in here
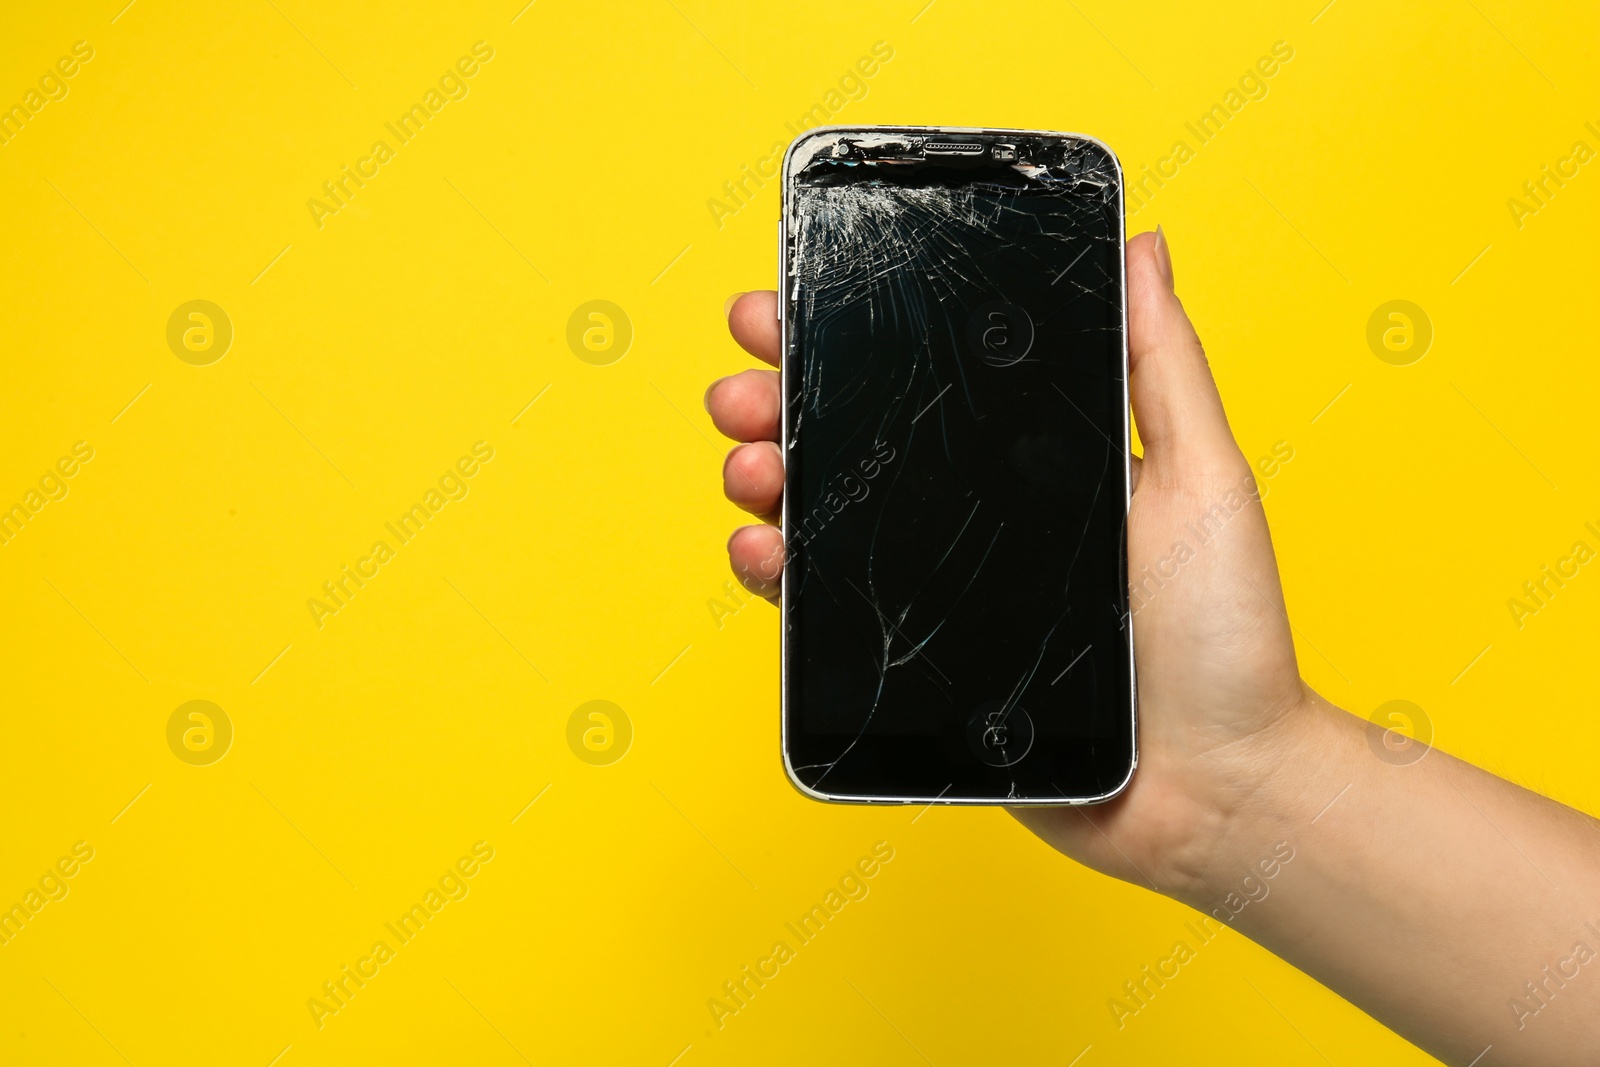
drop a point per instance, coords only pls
(1175, 401)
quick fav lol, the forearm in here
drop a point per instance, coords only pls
(1450, 904)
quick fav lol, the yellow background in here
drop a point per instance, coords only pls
(373, 752)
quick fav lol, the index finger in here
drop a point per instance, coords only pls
(753, 321)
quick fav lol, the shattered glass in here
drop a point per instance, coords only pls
(955, 597)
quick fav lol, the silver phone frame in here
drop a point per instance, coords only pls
(783, 445)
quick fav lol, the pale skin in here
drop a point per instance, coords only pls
(1426, 891)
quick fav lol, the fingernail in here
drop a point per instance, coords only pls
(1164, 256)
(727, 306)
(705, 401)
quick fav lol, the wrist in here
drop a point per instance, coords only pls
(1252, 803)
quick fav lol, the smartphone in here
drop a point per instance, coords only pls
(955, 611)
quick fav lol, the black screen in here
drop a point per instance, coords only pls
(955, 601)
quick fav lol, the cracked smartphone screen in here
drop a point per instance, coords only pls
(955, 595)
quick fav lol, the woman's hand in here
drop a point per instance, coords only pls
(1216, 666)
(1452, 905)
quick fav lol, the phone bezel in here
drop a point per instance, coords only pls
(784, 320)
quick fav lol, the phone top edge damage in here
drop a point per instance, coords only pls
(908, 230)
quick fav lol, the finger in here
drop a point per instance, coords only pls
(753, 321)
(1175, 401)
(756, 553)
(745, 406)
(752, 477)
(1137, 464)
